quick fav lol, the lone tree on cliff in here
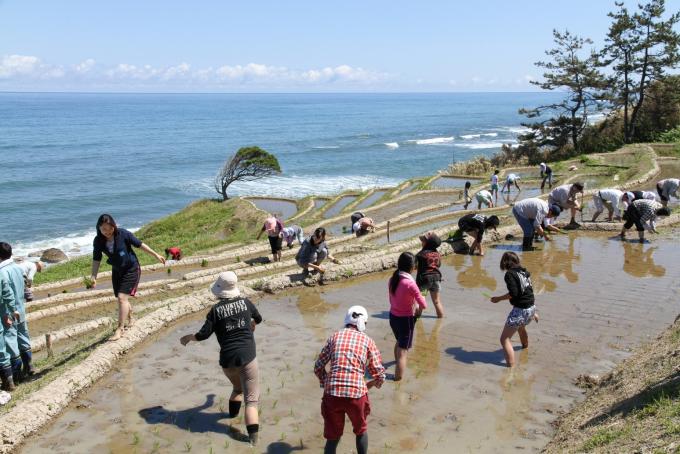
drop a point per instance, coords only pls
(247, 164)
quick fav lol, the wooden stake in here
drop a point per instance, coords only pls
(388, 231)
(48, 345)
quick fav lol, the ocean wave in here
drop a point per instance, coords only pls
(432, 141)
(392, 145)
(481, 145)
(293, 186)
(477, 136)
(326, 147)
(515, 129)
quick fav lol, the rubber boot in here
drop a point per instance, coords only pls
(16, 370)
(27, 360)
(527, 243)
(7, 379)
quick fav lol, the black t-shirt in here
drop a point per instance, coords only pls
(473, 222)
(521, 292)
(429, 261)
(230, 320)
(123, 257)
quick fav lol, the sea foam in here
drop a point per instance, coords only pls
(392, 145)
(432, 141)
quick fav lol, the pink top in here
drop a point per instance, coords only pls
(402, 302)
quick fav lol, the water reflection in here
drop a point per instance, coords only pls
(314, 310)
(516, 397)
(425, 354)
(473, 275)
(551, 261)
(639, 262)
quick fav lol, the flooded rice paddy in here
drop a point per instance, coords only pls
(445, 182)
(597, 298)
(339, 206)
(282, 209)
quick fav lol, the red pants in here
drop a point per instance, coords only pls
(333, 410)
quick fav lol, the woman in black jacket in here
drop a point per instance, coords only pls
(117, 245)
(521, 296)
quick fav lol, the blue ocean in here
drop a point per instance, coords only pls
(66, 158)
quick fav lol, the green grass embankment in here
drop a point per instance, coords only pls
(197, 227)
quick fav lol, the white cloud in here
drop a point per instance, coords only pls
(22, 69)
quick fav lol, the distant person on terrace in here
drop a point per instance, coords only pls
(667, 188)
(510, 180)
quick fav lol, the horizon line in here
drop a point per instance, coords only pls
(263, 92)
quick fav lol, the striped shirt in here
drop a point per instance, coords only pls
(647, 209)
(350, 352)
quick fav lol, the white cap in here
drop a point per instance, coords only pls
(357, 316)
(226, 285)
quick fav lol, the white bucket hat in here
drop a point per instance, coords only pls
(357, 316)
(226, 285)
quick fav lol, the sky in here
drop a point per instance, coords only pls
(277, 46)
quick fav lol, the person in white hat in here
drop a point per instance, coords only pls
(29, 268)
(350, 352)
(233, 321)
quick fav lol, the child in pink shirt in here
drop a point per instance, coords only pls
(406, 305)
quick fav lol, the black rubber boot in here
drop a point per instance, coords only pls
(7, 379)
(331, 446)
(16, 370)
(27, 360)
(253, 433)
(362, 443)
(234, 408)
(527, 243)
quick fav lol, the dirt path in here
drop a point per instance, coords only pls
(597, 299)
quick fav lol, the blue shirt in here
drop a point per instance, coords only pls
(123, 257)
(12, 289)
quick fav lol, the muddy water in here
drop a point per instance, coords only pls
(444, 182)
(339, 206)
(281, 208)
(597, 298)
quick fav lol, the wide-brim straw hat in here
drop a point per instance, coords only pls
(226, 285)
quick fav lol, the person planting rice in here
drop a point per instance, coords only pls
(313, 252)
(643, 213)
(509, 181)
(428, 276)
(546, 174)
(521, 296)
(531, 215)
(466, 195)
(350, 353)
(174, 252)
(609, 198)
(406, 305)
(494, 183)
(484, 197)
(475, 225)
(667, 188)
(363, 226)
(273, 226)
(291, 233)
(117, 244)
(564, 196)
(233, 319)
(631, 196)
(29, 269)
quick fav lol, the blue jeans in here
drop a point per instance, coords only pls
(526, 224)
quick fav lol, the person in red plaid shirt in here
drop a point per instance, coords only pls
(350, 352)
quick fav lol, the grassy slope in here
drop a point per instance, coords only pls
(635, 408)
(199, 226)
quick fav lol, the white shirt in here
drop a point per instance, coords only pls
(28, 268)
(494, 179)
(543, 167)
(560, 194)
(512, 177)
(670, 186)
(533, 208)
(613, 196)
(484, 195)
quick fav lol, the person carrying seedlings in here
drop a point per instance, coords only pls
(546, 174)
(521, 296)
(509, 181)
(484, 197)
(530, 215)
(291, 233)
(643, 213)
(117, 243)
(313, 252)
(494, 182)
(609, 198)
(406, 305)
(628, 197)
(17, 338)
(466, 195)
(29, 269)
(475, 225)
(174, 252)
(429, 277)
(233, 319)
(667, 188)
(564, 196)
(350, 353)
(273, 226)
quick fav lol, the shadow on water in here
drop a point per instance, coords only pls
(474, 275)
(195, 419)
(495, 358)
(280, 447)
